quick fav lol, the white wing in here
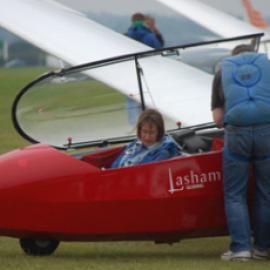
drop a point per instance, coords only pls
(211, 18)
(218, 21)
(63, 32)
(72, 37)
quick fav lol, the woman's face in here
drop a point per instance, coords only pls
(148, 134)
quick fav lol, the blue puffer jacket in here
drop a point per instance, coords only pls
(137, 153)
(143, 34)
(246, 87)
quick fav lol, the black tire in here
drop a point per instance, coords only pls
(38, 247)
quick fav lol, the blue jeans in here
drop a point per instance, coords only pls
(246, 146)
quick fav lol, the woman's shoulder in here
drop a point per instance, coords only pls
(167, 140)
(170, 145)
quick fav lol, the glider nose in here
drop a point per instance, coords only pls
(22, 166)
(11, 167)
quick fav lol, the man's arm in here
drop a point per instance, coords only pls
(218, 114)
(217, 100)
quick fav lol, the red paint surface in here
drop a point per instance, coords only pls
(47, 193)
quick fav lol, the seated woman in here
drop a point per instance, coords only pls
(152, 144)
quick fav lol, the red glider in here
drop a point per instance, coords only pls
(48, 195)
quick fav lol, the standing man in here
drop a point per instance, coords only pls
(241, 103)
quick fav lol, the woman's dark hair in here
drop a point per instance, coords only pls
(153, 118)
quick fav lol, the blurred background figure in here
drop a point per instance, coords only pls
(144, 30)
(141, 32)
(151, 24)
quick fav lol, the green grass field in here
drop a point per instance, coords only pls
(11, 81)
(188, 254)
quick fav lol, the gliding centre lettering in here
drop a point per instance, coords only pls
(192, 180)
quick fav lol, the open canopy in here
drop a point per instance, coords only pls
(74, 106)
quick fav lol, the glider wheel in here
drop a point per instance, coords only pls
(38, 247)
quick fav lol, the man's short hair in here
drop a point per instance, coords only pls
(242, 48)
